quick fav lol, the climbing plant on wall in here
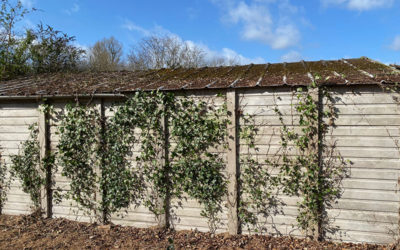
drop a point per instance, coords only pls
(27, 167)
(188, 167)
(198, 128)
(31, 168)
(139, 122)
(5, 182)
(120, 184)
(309, 167)
(94, 153)
(160, 172)
(258, 187)
(79, 134)
(306, 165)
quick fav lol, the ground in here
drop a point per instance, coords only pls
(29, 232)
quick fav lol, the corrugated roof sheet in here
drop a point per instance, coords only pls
(346, 71)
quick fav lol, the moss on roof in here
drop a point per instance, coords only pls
(345, 71)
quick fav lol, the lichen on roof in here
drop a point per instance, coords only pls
(345, 71)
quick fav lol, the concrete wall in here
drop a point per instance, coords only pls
(261, 105)
(67, 208)
(366, 133)
(134, 216)
(15, 118)
(186, 214)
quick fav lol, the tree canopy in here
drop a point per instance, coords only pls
(44, 49)
(38, 50)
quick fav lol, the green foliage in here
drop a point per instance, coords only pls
(30, 168)
(27, 167)
(258, 188)
(198, 128)
(144, 111)
(5, 182)
(13, 48)
(139, 111)
(53, 51)
(79, 130)
(308, 168)
(187, 167)
(161, 172)
(34, 50)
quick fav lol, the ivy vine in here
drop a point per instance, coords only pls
(258, 187)
(28, 168)
(95, 154)
(197, 128)
(176, 136)
(187, 167)
(143, 112)
(308, 167)
(78, 144)
(5, 183)
(120, 184)
(31, 168)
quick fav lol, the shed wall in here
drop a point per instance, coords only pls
(138, 216)
(366, 133)
(15, 118)
(67, 208)
(187, 214)
(261, 104)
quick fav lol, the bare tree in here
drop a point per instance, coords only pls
(218, 61)
(193, 56)
(106, 55)
(165, 52)
(157, 52)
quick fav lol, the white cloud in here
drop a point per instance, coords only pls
(226, 53)
(396, 43)
(292, 56)
(75, 8)
(27, 3)
(359, 5)
(258, 24)
(233, 55)
(84, 48)
(209, 54)
(229, 55)
(155, 30)
(129, 25)
(81, 46)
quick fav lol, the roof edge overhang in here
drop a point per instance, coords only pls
(123, 95)
(41, 97)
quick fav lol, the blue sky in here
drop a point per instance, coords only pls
(251, 30)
